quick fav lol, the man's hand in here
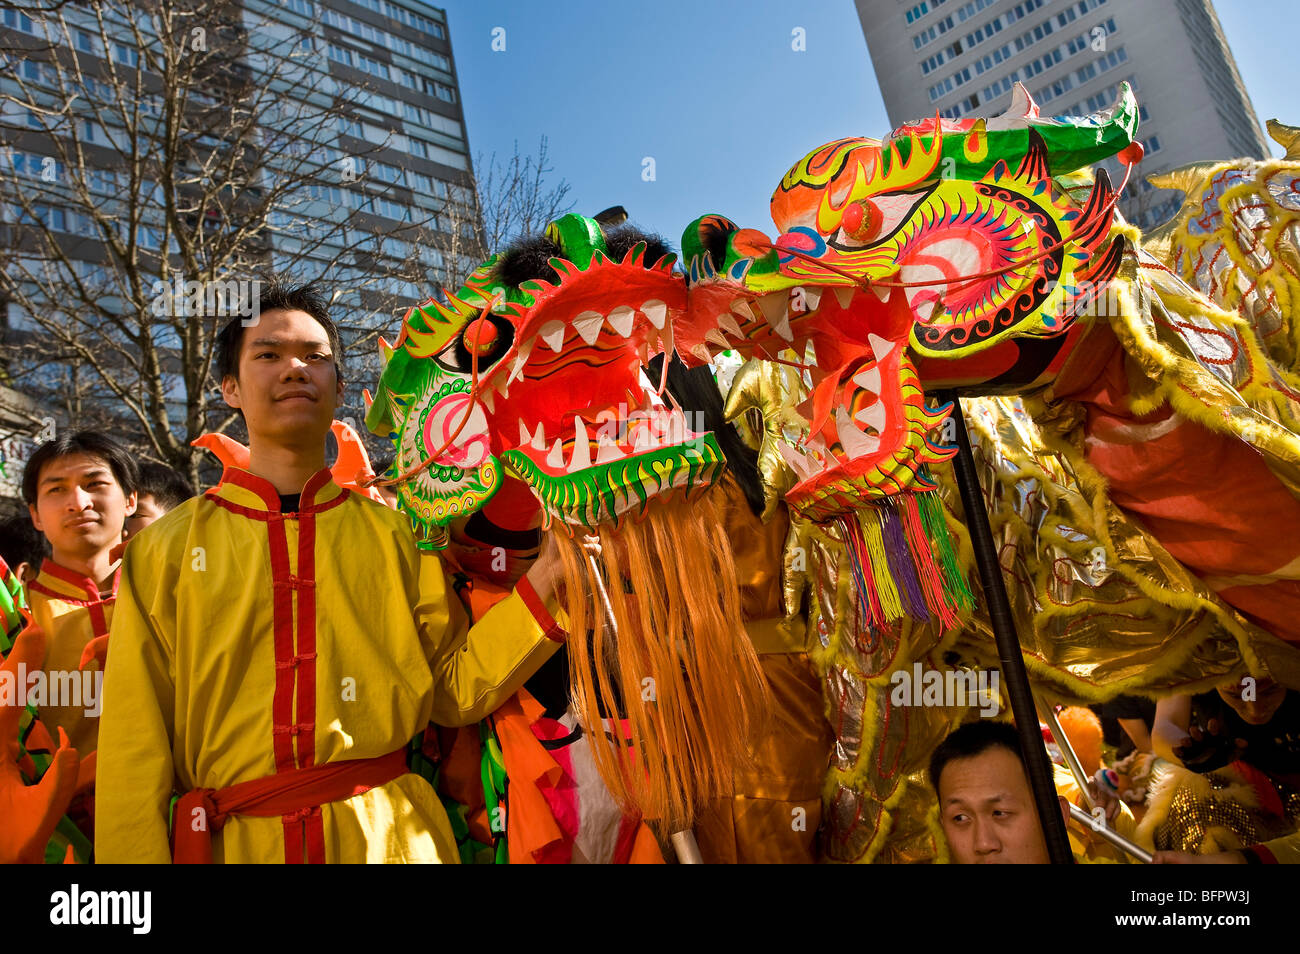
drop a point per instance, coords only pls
(547, 570)
(1205, 750)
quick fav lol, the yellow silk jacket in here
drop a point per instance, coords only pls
(71, 612)
(248, 642)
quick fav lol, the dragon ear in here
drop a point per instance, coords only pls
(578, 237)
(1070, 143)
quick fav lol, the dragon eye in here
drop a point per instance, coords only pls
(490, 336)
(861, 220)
(866, 222)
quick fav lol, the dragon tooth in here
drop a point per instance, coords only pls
(872, 416)
(539, 439)
(581, 458)
(727, 322)
(607, 451)
(621, 320)
(524, 436)
(489, 399)
(855, 443)
(518, 370)
(880, 347)
(844, 295)
(716, 337)
(588, 325)
(783, 328)
(553, 334)
(868, 379)
(555, 459)
(812, 297)
(656, 311)
(773, 306)
(795, 460)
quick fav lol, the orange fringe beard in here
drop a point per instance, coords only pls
(677, 656)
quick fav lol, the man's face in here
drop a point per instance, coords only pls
(288, 386)
(80, 506)
(988, 813)
(147, 511)
(1268, 698)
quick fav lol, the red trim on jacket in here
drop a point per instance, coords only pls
(84, 583)
(293, 706)
(550, 628)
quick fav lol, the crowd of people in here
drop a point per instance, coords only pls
(270, 648)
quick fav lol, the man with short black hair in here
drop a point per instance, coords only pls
(79, 489)
(161, 489)
(279, 640)
(22, 546)
(986, 806)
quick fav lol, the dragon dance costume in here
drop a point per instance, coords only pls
(1138, 445)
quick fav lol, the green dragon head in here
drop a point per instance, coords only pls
(534, 367)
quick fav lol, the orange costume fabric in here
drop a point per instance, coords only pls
(1205, 496)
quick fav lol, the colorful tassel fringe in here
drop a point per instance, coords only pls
(902, 561)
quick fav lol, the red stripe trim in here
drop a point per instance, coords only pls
(550, 628)
(282, 615)
(305, 656)
(98, 620)
(251, 482)
(254, 514)
(292, 839)
(36, 586)
(72, 577)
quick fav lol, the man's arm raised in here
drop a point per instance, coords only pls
(134, 776)
(478, 667)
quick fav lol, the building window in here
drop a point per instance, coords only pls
(19, 21)
(126, 55)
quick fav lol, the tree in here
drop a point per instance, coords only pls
(515, 198)
(158, 156)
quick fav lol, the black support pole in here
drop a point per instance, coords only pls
(1004, 631)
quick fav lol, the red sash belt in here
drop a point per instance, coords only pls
(295, 795)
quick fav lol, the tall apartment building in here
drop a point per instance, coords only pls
(393, 155)
(962, 57)
(407, 121)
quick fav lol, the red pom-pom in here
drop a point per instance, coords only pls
(1132, 154)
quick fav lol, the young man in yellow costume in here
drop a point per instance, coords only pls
(80, 489)
(279, 640)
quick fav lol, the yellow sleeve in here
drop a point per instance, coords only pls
(133, 775)
(476, 668)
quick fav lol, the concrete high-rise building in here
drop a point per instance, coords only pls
(358, 133)
(962, 57)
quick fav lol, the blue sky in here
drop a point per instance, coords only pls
(715, 93)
